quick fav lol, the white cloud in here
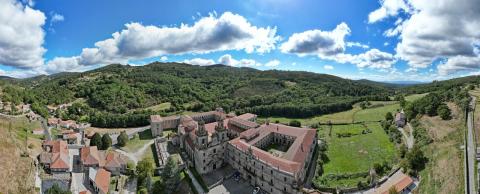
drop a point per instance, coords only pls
(55, 17)
(21, 35)
(328, 67)
(272, 63)
(373, 58)
(459, 63)
(199, 61)
(388, 8)
(163, 58)
(445, 30)
(330, 45)
(229, 60)
(209, 34)
(386, 44)
(317, 42)
(357, 44)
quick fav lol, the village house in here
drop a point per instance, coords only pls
(400, 119)
(71, 136)
(55, 156)
(38, 131)
(114, 162)
(99, 179)
(53, 122)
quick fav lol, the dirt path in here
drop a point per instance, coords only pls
(136, 156)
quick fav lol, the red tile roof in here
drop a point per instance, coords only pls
(89, 155)
(58, 156)
(247, 116)
(295, 156)
(155, 118)
(102, 180)
(399, 180)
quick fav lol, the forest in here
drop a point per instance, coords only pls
(118, 95)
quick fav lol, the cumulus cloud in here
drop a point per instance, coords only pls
(445, 30)
(199, 61)
(317, 42)
(229, 60)
(163, 58)
(328, 67)
(388, 8)
(21, 35)
(459, 63)
(209, 34)
(373, 58)
(272, 63)
(331, 45)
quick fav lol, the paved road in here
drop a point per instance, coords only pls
(195, 182)
(470, 152)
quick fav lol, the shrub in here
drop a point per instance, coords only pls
(295, 123)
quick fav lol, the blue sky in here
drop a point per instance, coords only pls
(377, 40)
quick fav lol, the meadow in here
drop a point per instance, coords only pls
(355, 154)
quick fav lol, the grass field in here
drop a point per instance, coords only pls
(138, 141)
(414, 97)
(159, 107)
(357, 153)
(354, 115)
(19, 170)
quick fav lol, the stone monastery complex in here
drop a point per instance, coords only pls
(274, 157)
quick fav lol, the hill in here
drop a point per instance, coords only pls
(116, 90)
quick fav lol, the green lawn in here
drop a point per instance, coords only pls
(354, 115)
(375, 114)
(138, 141)
(159, 107)
(357, 153)
(414, 97)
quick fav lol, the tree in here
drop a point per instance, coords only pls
(144, 170)
(122, 139)
(130, 169)
(96, 141)
(402, 151)
(416, 159)
(158, 187)
(171, 175)
(295, 123)
(392, 190)
(389, 116)
(55, 189)
(106, 141)
(444, 112)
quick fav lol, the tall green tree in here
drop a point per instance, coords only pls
(96, 141)
(106, 141)
(388, 116)
(444, 112)
(122, 139)
(171, 175)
